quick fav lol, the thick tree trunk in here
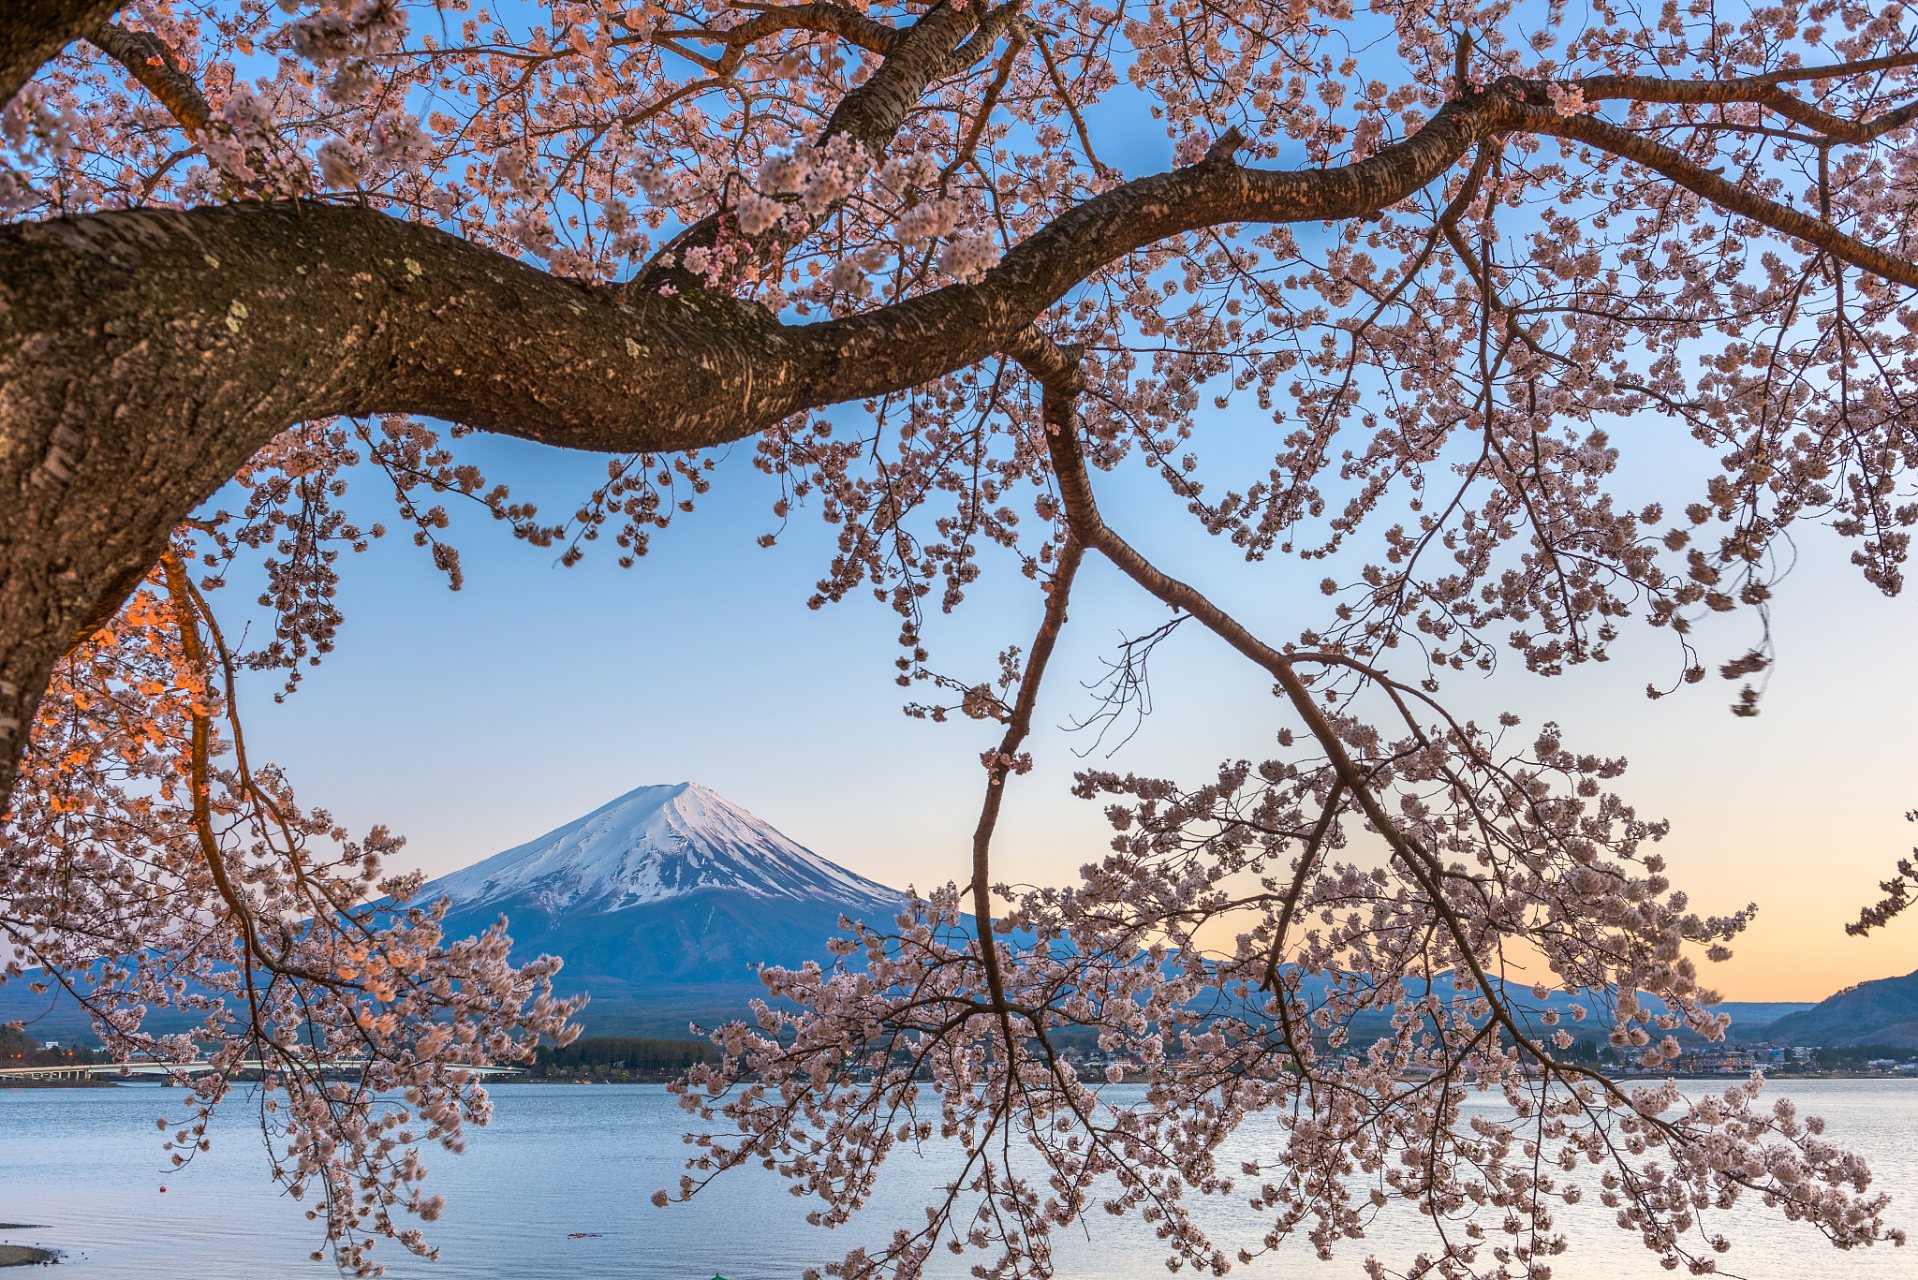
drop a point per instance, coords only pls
(32, 32)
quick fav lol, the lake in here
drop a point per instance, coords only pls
(564, 1159)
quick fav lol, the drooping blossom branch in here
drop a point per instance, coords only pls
(144, 874)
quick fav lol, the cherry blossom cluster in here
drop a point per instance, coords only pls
(1358, 1001)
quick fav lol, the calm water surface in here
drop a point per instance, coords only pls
(562, 1159)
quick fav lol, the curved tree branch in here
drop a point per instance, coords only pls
(1002, 764)
(1673, 164)
(148, 60)
(1056, 369)
(944, 42)
(1765, 91)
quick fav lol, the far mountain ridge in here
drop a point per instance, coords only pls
(1883, 1011)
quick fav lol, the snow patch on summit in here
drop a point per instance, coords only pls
(654, 844)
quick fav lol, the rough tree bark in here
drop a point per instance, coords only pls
(32, 32)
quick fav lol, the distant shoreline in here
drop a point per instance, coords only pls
(1783, 1077)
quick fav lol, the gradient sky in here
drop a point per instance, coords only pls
(471, 722)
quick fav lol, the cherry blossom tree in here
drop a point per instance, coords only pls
(1428, 255)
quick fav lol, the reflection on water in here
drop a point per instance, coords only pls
(563, 1161)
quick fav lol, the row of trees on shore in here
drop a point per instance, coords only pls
(18, 1049)
(601, 1054)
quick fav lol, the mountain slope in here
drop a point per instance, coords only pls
(661, 903)
(652, 845)
(1883, 1011)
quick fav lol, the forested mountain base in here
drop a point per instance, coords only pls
(613, 1058)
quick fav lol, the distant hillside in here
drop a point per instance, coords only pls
(1746, 1013)
(1749, 1019)
(46, 1017)
(1884, 1011)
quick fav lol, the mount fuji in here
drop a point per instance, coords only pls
(661, 902)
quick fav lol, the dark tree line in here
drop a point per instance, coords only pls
(624, 1053)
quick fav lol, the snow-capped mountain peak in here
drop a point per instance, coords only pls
(653, 844)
